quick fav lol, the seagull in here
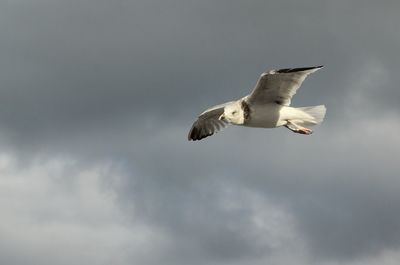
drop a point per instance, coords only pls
(267, 106)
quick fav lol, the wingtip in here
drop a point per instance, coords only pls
(301, 69)
(190, 136)
(196, 135)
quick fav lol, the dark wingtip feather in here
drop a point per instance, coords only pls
(292, 70)
(196, 134)
(192, 134)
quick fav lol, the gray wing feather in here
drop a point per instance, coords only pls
(279, 85)
(208, 123)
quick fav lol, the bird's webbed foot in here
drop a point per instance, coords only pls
(298, 129)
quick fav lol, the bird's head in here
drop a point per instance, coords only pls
(233, 113)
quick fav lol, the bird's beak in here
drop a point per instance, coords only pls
(222, 117)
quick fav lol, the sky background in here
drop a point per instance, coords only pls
(97, 98)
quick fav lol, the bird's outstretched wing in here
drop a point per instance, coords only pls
(208, 123)
(279, 85)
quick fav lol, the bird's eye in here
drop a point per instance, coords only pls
(233, 112)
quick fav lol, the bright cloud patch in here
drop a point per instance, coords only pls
(56, 213)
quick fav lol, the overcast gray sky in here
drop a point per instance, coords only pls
(97, 97)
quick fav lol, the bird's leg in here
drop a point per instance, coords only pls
(298, 129)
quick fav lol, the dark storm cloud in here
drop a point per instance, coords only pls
(122, 81)
(87, 61)
(334, 189)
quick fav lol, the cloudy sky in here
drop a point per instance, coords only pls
(97, 97)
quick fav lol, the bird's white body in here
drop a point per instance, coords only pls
(274, 115)
(267, 116)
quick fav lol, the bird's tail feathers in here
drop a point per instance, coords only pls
(315, 115)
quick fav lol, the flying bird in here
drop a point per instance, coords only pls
(267, 106)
